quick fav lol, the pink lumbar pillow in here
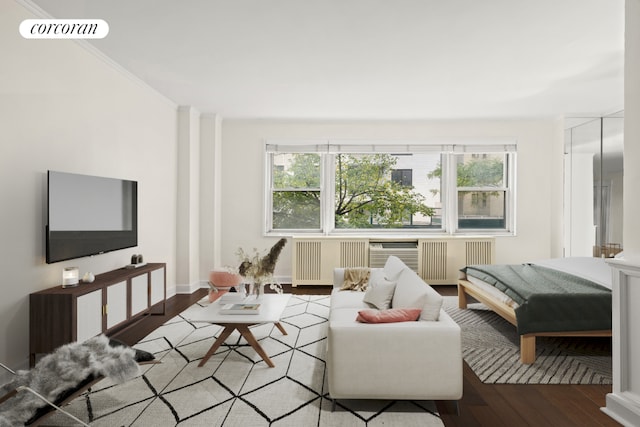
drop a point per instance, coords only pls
(391, 315)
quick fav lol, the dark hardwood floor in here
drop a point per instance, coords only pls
(481, 404)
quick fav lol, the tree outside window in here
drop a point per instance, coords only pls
(296, 191)
(367, 196)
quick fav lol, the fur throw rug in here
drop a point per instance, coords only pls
(63, 370)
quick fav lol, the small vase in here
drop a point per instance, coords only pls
(257, 289)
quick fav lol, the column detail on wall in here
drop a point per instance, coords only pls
(188, 203)
(623, 403)
(210, 193)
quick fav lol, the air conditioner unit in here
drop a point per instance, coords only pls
(406, 251)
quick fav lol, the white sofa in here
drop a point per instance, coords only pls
(413, 360)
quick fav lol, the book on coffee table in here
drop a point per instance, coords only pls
(241, 308)
(232, 297)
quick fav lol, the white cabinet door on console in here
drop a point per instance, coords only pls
(116, 304)
(139, 294)
(157, 286)
(89, 309)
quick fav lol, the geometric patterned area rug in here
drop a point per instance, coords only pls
(491, 348)
(235, 387)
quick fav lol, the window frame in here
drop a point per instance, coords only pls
(508, 187)
(269, 179)
(448, 196)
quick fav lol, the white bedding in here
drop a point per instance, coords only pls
(590, 268)
(493, 291)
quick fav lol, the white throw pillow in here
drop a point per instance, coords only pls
(393, 267)
(432, 306)
(380, 293)
(412, 292)
(376, 275)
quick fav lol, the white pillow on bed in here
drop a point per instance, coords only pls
(591, 268)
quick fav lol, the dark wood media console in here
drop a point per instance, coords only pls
(114, 301)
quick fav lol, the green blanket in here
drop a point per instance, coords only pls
(549, 300)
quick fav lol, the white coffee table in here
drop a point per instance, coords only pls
(271, 308)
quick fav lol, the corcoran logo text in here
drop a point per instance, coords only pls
(64, 29)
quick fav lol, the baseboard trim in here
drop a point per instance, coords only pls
(190, 288)
(622, 409)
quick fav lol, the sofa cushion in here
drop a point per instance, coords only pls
(391, 315)
(412, 292)
(345, 316)
(347, 299)
(379, 293)
(393, 267)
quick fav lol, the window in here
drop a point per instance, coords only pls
(375, 191)
(336, 189)
(482, 191)
(296, 191)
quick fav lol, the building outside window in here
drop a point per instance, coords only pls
(482, 191)
(403, 177)
(332, 190)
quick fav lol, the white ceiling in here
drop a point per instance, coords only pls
(369, 59)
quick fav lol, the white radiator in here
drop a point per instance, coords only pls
(436, 260)
(479, 252)
(406, 251)
(442, 259)
(308, 261)
(315, 258)
(353, 253)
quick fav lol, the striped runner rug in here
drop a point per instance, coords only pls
(491, 348)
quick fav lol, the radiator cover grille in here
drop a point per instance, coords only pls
(308, 263)
(353, 254)
(479, 252)
(434, 260)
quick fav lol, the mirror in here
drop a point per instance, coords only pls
(593, 167)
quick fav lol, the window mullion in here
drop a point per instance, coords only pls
(511, 192)
(450, 193)
(267, 200)
(327, 192)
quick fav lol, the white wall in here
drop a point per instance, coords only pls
(539, 178)
(62, 108)
(632, 128)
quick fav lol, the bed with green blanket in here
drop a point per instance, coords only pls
(561, 297)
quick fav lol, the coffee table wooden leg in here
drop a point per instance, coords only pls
(279, 326)
(222, 338)
(246, 333)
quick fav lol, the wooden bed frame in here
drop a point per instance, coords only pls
(527, 341)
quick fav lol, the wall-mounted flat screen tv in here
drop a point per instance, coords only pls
(89, 215)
